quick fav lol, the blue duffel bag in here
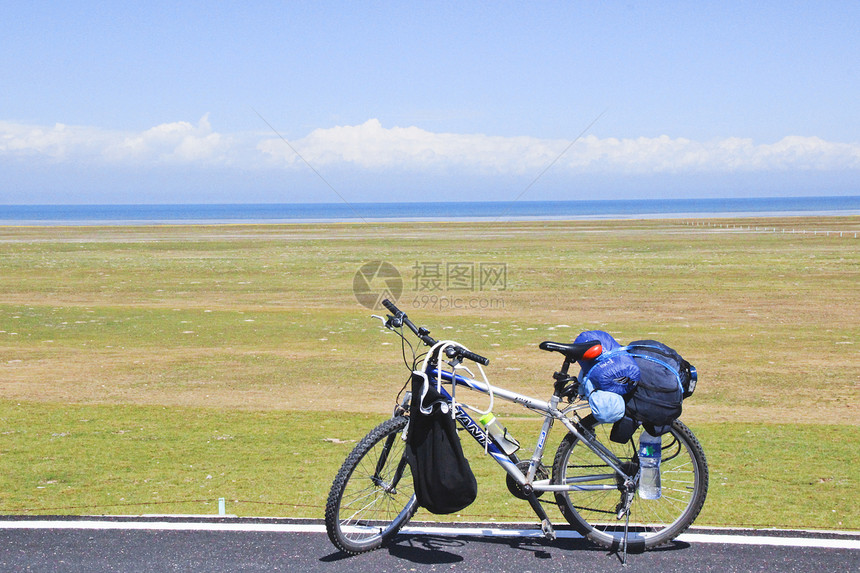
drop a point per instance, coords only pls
(607, 379)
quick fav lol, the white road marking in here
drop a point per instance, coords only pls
(488, 531)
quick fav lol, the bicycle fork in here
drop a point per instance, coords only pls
(377, 480)
(388, 487)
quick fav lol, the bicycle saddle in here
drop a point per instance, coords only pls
(575, 351)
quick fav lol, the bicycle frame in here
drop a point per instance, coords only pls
(365, 520)
(551, 413)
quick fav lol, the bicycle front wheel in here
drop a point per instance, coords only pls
(372, 495)
(595, 509)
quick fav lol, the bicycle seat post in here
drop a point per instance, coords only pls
(561, 378)
(565, 367)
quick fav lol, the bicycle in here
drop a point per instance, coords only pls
(594, 480)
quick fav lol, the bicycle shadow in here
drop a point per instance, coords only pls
(440, 550)
(447, 550)
(423, 550)
(431, 550)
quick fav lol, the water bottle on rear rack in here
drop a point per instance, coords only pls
(650, 452)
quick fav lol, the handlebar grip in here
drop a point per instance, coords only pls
(390, 306)
(474, 357)
(460, 352)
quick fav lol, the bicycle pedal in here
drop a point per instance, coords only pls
(547, 529)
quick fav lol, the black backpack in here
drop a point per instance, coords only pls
(666, 380)
(444, 482)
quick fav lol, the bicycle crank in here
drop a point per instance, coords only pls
(516, 489)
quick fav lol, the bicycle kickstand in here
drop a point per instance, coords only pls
(624, 507)
(626, 528)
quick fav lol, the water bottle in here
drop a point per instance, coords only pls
(650, 450)
(499, 434)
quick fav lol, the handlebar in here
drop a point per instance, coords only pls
(390, 306)
(454, 351)
(400, 316)
(424, 334)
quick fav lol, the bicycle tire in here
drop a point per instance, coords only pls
(684, 475)
(364, 509)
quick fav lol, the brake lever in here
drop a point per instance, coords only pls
(382, 320)
(466, 368)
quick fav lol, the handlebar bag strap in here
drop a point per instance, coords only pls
(443, 480)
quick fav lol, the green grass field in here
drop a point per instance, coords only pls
(157, 369)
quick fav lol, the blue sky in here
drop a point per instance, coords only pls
(389, 101)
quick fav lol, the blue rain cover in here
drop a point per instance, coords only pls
(611, 372)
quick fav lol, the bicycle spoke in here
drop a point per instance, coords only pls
(364, 509)
(655, 521)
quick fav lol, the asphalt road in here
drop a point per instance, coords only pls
(98, 545)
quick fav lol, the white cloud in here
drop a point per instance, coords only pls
(57, 143)
(179, 142)
(370, 146)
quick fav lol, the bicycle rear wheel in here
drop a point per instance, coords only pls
(594, 511)
(372, 495)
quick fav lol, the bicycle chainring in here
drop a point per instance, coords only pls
(515, 488)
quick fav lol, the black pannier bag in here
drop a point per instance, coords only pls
(687, 373)
(666, 379)
(444, 482)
